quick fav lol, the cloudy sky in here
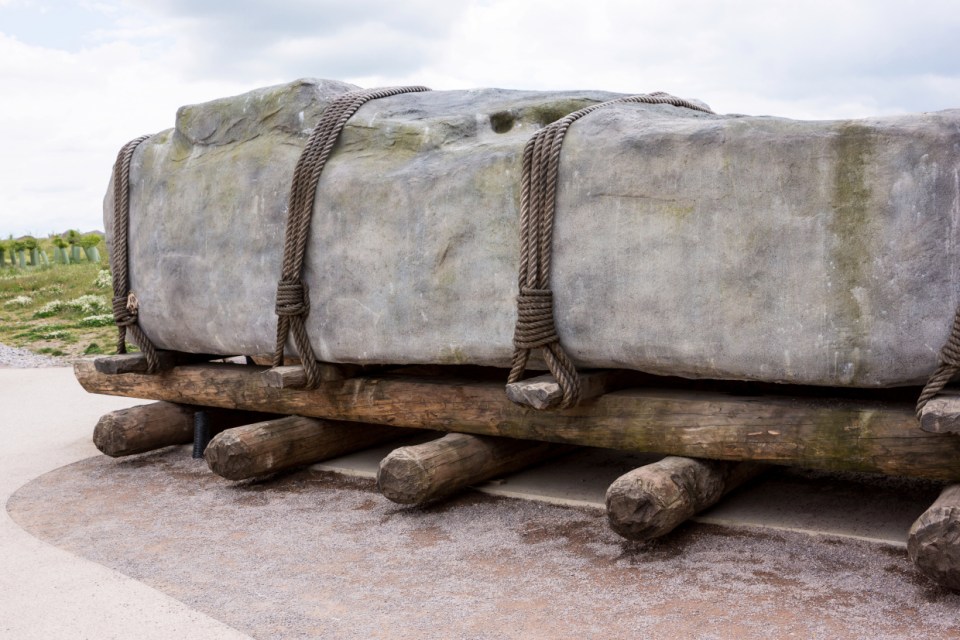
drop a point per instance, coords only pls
(78, 79)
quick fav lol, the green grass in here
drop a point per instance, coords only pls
(61, 310)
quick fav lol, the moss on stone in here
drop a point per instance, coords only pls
(551, 111)
(852, 228)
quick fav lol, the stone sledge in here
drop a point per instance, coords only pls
(686, 244)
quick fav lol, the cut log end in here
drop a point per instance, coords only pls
(934, 540)
(653, 500)
(402, 478)
(228, 456)
(941, 415)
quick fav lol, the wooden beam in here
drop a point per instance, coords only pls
(137, 362)
(543, 392)
(143, 428)
(287, 443)
(878, 436)
(161, 424)
(295, 376)
(934, 540)
(426, 472)
(655, 499)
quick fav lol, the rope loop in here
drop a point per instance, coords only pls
(536, 328)
(293, 303)
(125, 303)
(293, 298)
(948, 367)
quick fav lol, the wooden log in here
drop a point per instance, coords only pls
(426, 472)
(287, 443)
(941, 415)
(870, 435)
(934, 540)
(143, 428)
(137, 362)
(295, 377)
(654, 499)
(543, 392)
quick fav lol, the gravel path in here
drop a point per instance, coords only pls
(314, 555)
(14, 358)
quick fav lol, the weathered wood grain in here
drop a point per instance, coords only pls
(655, 499)
(934, 539)
(287, 443)
(295, 377)
(145, 427)
(426, 472)
(543, 392)
(137, 362)
(843, 434)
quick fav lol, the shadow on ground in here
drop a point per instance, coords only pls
(314, 554)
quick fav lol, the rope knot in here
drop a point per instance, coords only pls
(125, 310)
(292, 298)
(535, 327)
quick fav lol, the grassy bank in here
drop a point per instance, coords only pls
(60, 309)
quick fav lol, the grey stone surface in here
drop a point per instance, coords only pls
(685, 243)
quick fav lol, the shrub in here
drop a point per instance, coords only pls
(51, 308)
(100, 320)
(19, 301)
(104, 280)
(89, 305)
(89, 240)
(57, 334)
(92, 348)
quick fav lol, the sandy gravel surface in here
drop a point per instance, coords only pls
(12, 357)
(316, 555)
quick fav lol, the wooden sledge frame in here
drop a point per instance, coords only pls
(702, 426)
(848, 434)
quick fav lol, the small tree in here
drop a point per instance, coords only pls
(60, 254)
(73, 239)
(89, 243)
(20, 249)
(30, 245)
(3, 251)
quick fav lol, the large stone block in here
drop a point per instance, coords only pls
(685, 243)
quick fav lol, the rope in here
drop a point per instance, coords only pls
(948, 365)
(536, 327)
(293, 302)
(125, 304)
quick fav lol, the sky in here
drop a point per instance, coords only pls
(78, 79)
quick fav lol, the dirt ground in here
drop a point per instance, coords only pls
(316, 555)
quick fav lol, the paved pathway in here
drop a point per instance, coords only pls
(46, 592)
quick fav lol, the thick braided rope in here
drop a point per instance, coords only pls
(125, 305)
(536, 327)
(948, 366)
(293, 296)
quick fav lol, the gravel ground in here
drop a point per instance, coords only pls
(13, 358)
(316, 555)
